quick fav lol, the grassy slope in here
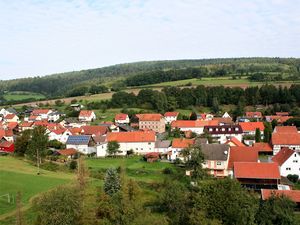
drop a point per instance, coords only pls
(17, 175)
(19, 96)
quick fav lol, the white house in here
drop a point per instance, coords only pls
(122, 118)
(223, 133)
(285, 137)
(170, 117)
(53, 116)
(288, 161)
(141, 142)
(42, 113)
(82, 143)
(11, 118)
(87, 115)
(226, 115)
(177, 145)
(196, 126)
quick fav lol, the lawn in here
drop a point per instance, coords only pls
(19, 96)
(18, 175)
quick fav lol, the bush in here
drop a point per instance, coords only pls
(293, 178)
(73, 165)
(167, 170)
(50, 166)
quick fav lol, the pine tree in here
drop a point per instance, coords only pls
(112, 182)
(257, 135)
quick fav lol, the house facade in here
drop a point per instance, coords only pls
(223, 133)
(122, 118)
(82, 143)
(196, 126)
(86, 116)
(170, 117)
(288, 161)
(155, 122)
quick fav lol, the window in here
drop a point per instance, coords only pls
(295, 155)
(295, 161)
(136, 149)
(219, 163)
(149, 143)
(288, 168)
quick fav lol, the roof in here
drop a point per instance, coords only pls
(254, 114)
(235, 141)
(286, 138)
(162, 143)
(149, 117)
(294, 195)
(225, 129)
(121, 116)
(285, 129)
(78, 139)
(215, 151)
(134, 136)
(43, 123)
(283, 155)
(67, 152)
(282, 113)
(40, 111)
(263, 147)
(255, 170)
(5, 144)
(9, 116)
(251, 126)
(280, 119)
(85, 113)
(238, 154)
(75, 130)
(12, 125)
(6, 133)
(182, 142)
(171, 114)
(26, 124)
(193, 123)
(57, 131)
(224, 120)
(94, 130)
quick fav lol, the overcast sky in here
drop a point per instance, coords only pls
(39, 37)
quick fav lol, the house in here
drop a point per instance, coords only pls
(226, 115)
(216, 159)
(282, 114)
(293, 195)
(234, 142)
(94, 130)
(82, 143)
(170, 117)
(224, 121)
(288, 161)
(76, 107)
(53, 117)
(177, 145)
(86, 116)
(6, 146)
(41, 113)
(196, 126)
(255, 175)
(56, 134)
(280, 119)
(11, 118)
(141, 142)
(254, 115)
(7, 134)
(72, 122)
(262, 147)
(69, 152)
(155, 122)
(122, 118)
(25, 126)
(223, 133)
(152, 157)
(241, 154)
(162, 146)
(287, 136)
(205, 116)
(249, 128)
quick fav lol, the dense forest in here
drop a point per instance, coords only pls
(140, 73)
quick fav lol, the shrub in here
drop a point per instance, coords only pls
(293, 178)
(167, 170)
(50, 166)
(73, 165)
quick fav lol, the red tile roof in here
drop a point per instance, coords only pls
(182, 142)
(286, 138)
(251, 126)
(171, 114)
(75, 130)
(6, 133)
(67, 152)
(254, 114)
(85, 113)
(94, 130)
(135, 136)
(263, 147)
(149, 117)
(255, 170)
(9, 116)
(40, 111)
(283, 155)
(235, 141)
(285, 129)
(238, 154)
(121, 116)
(193, 123)
(26, 124)
(280, 119)
(43, 123)
(12, 125)
(282, 113)
(294, 195)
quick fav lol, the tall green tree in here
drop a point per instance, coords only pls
(22, 142)
(113, 147)
(112, 182)
(267, 132)
(195, 161)
(257, 135)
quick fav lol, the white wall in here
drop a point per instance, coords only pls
(276, 148)
(84, 149)
(291, 166)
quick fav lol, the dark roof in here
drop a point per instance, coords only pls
(200, 141)
(215, 151)
(72, 120)
(11, 110)
(78, 140)
(225, 129)
(162, 144)
(125, 127)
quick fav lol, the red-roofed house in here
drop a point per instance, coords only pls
(254, 115)
(249, 128)
(155, 122)
(282, 113)
(41, 113)
(69, 152)
(177, 145)
(11, 118)
(86, 116)
(280, 119)
(171, 116)
(122, 118)
(7, 134)
(94, 130)
(196, 126)
(288, 161)
(285, 137)
(285, 129)
(293, 195)
(222, 133)
(6, 146)
(234, 142)
(256, 175)
(140, 142)
(26, 126)
(262, 147)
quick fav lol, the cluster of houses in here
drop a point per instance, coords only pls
(230, 154)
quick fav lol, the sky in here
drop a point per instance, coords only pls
(40, 37)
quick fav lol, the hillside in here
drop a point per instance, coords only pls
(117, 77)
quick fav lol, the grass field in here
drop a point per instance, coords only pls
(19, 96)
(18, 175)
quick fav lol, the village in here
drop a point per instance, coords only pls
(237, 149)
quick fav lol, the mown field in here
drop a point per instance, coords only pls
(21, 95)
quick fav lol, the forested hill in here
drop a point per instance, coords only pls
(133, 74)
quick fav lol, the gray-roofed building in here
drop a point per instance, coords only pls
(162, 146)
(216, 159)
(82, 143)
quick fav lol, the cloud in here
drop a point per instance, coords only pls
(43, 37)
